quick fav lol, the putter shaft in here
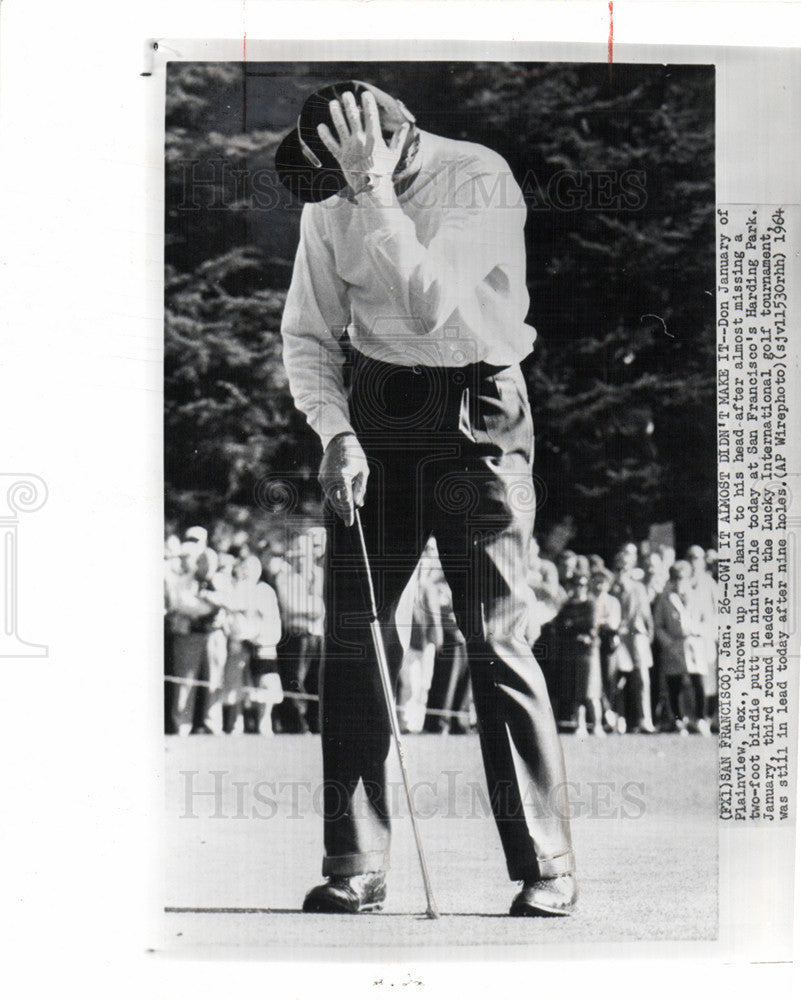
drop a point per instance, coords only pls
(386, 683)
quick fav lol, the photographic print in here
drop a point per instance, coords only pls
(401, 501)
(440, 435)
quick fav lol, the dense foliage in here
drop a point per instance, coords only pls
(617, 166)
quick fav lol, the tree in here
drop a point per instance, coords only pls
(229, 417)
(617, 167)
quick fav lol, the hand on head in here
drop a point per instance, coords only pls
(361, 151)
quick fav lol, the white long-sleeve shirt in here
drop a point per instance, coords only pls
(435, 277)
(255, 615)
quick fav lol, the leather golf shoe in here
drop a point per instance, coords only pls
(546, 897)
(347, 894)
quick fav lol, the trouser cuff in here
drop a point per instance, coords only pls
(553, 867)
(356, 864)
(562, 864)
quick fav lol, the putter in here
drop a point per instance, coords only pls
(386, 683)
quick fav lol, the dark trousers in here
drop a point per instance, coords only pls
(691, 686)
(628, 697)
(450, 453)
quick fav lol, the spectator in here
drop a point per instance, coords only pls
(255, 630)
(596, 564)
(559, 654)
(582, 567)
(607, 619)
(636, 635)
(579, 634)
(655, 579)
(548, 596)
(655, 576)
(222, 700)
(680, 637)
(186, 616)
(172, 554)
(631, 554)
(172, 571)
(703, 601)
(215, 589)
(566, 566)
(240, 545)
(195, 541)
(449, 695)
(668, 555)
(298, 581)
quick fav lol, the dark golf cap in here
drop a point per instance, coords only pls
(300, 152)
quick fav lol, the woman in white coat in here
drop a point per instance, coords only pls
(680, 637)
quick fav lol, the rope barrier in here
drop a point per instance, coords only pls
(442, 713)
(247, 688)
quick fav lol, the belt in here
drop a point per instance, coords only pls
(465, 374)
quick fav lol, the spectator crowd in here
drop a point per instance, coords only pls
(243, 635)
(626, 648)
(632, 648)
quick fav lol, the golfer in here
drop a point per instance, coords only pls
(413, 244)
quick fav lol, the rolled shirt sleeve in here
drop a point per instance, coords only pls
(316, 305)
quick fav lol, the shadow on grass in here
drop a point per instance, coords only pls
(239, 910)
